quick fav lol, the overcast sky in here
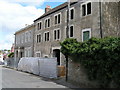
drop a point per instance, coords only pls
(14, 14)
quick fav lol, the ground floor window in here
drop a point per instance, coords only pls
(86, 34)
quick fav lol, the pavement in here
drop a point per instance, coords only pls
(16, 79)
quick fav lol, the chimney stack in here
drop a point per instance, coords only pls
(48, 8)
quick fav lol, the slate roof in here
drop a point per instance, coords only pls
(64, 5)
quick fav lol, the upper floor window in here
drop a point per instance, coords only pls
(57, 34)
(57, 18)
(39, 26)
(86, 9)
(47, 36)
(47, 23)
(39, 38)
(70, 32)
(86, 34)
(71, 13)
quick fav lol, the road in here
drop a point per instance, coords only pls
(16, 79)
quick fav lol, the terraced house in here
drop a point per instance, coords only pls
(24, 42)
(87, 19)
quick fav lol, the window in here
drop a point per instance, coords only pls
(56, 34)
(39, 38)
(83, 10)
(86, 9)
(86, 34)
(47, 23)
(47, 36)
(57, 19)
(71, 31)
(72, 13)
(39, 26)
(38, 54)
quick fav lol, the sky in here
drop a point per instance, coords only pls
(14, 14)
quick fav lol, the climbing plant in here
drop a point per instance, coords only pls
(100, 58)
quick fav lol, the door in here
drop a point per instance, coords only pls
(56, 53)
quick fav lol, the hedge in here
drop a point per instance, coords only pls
(100, 58)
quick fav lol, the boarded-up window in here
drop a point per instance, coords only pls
(86, 35)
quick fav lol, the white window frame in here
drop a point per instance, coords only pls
(57, 18)
(47, 23)
(56, 34)
(69, 31)
(85, 3)
(39, 25)
(73, 13)
(41, 38)
(44, 36)
(84, 30)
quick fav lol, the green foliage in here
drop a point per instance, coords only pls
(11, 55)
(100, 57)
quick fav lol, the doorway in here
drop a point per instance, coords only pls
(56, 53)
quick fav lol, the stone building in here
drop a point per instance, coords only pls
(24, 42)
(87, 19)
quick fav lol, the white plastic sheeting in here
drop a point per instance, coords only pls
(29, 65)
(48, 67)
(45, 67)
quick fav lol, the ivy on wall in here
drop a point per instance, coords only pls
(100, 57)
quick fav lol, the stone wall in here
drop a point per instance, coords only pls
(78, 76)
(110, 19)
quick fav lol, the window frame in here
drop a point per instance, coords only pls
(72, 8)
(70, 30)
(46, 23)
(57, 34)
(46, 36)
(85, 3)
(85, 30)
(56, 15)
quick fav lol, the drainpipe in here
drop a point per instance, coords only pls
(100, 10)
(33, 39)
(67, 36)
